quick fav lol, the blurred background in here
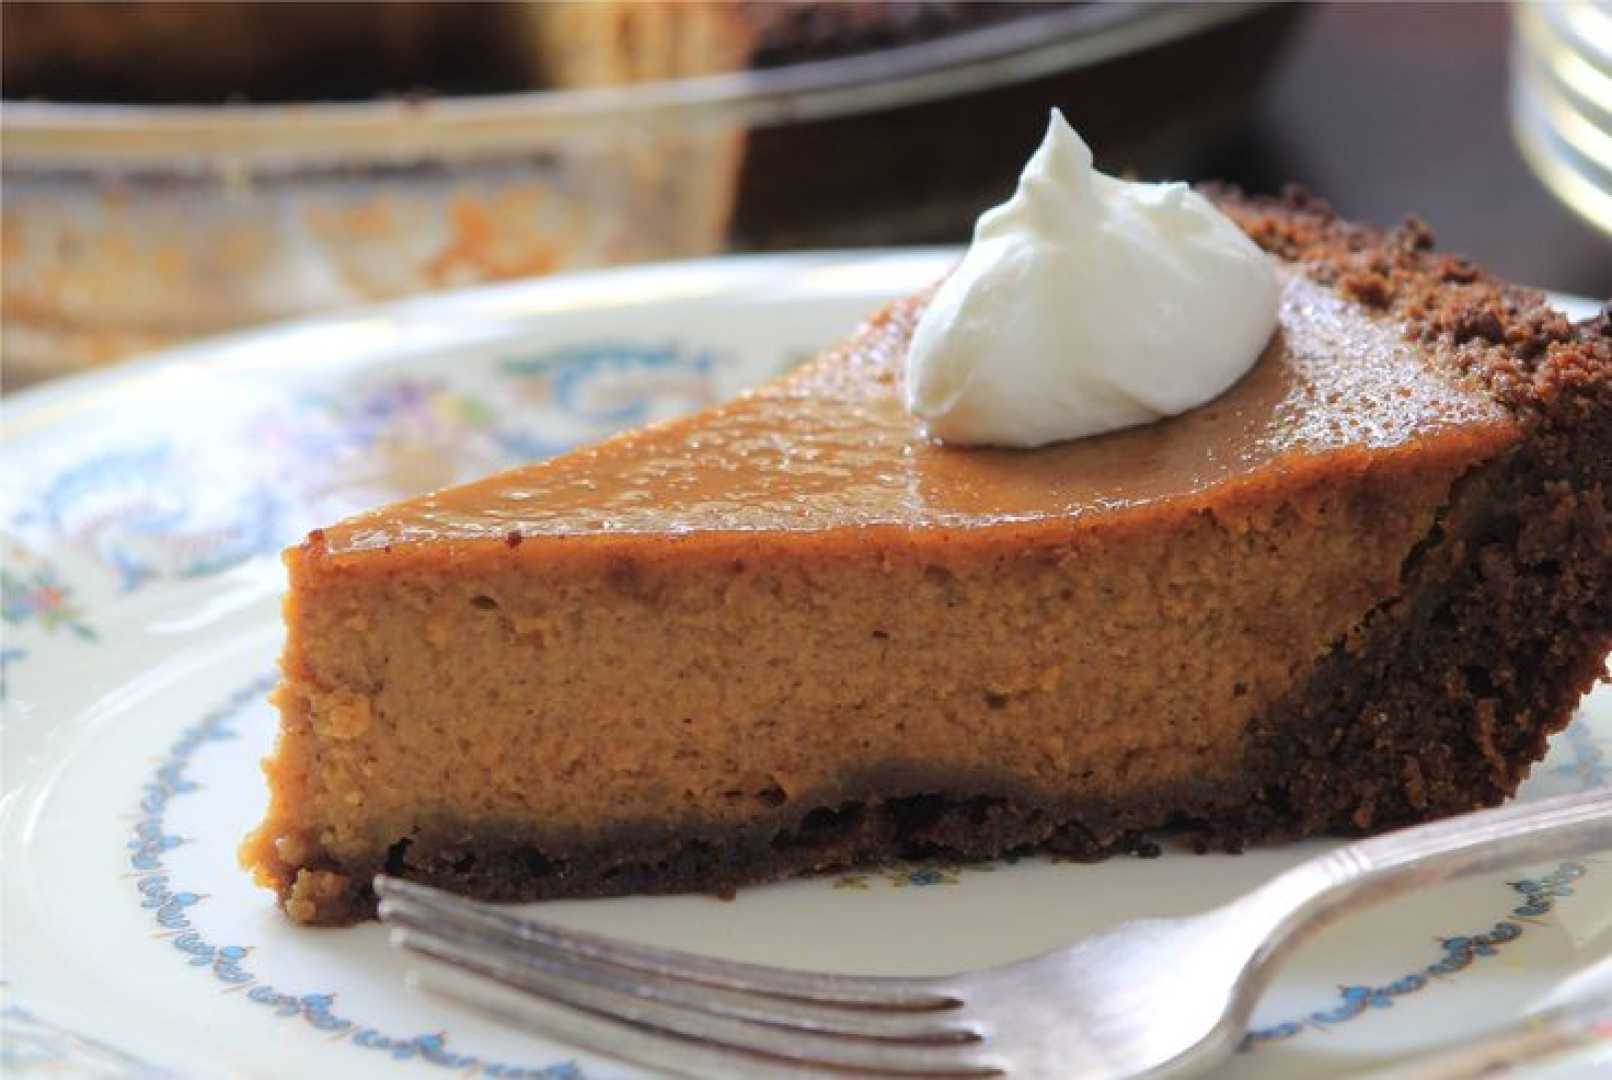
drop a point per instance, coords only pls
(172, 170)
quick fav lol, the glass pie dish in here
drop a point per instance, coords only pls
(129, 227)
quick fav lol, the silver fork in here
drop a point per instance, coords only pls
(1153, 996)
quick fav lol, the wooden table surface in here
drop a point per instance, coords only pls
(1387, 109)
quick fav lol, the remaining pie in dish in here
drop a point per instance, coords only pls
(1359, 589)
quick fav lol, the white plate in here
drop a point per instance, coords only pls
(142, 510)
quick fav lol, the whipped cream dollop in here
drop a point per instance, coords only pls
(1087, 304)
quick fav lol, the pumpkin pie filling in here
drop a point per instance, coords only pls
(792, 633)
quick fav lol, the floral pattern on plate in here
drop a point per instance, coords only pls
(1539, 897)
(170, 907)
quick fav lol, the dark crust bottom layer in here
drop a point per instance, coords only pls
(1437, 703)
(492, 865)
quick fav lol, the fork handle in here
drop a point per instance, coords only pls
(1299, 903)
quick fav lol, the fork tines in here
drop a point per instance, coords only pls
(693, 1014)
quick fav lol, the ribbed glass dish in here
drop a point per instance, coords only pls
(1561, 101)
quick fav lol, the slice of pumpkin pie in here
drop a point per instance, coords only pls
(1357, 589)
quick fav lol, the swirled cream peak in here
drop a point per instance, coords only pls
(1087, 304)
